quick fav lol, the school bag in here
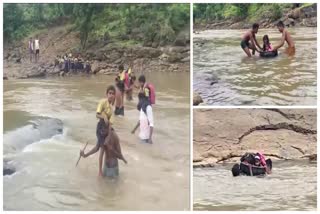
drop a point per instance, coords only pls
(152, 93)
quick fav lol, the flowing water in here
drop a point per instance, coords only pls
(223, 75)
(291, 186)
(44, 157)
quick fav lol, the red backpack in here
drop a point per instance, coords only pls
(152, 93)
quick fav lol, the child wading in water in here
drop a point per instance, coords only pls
(266, 43)
(145, 119)
(120, 91)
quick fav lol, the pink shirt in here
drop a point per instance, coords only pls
(262, 159)
(269, 47)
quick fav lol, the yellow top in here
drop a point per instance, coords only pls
(105, 109)
(122, 76)
(146, 91)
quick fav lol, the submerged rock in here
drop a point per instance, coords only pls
(197, 99)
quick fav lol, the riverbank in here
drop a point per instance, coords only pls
(303, 16)
(222, 136)
(104, 57)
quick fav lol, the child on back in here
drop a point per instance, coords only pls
(266, 43)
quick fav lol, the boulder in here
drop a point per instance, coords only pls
(197, 99)
(310, 22)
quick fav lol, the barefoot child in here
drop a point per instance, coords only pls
(145, 119)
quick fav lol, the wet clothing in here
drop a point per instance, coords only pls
(104, 108)
(267, 47)
(244, 44)
(144, 141)
(145, 121)
(111, 168)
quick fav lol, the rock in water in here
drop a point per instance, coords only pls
(197, 99)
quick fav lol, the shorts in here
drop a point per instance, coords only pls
(290, 51)
(244, 44)
(111, 171)
(101, 132)
(37, 51)
(30, 51)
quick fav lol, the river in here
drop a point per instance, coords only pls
(223, 75)
(291, 186)
(156, 177)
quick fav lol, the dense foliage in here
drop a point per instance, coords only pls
(205, 13)
(130, 22)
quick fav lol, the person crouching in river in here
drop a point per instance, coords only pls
(145, 119)
(105, 133)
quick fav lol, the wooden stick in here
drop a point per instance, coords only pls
(80, 155)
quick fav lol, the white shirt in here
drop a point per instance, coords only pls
(30, 45)
(146, 121)
(36, 44)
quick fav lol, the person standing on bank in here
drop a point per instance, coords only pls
(37, 49)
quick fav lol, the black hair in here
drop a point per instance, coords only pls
(255, 26)
(121, 67)
(235, 170)
(142, 78)
(265, 37)
(110, 88)
(280, 24)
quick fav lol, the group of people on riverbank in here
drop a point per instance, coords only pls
(249, 41)
(69, 63)
(108, 142)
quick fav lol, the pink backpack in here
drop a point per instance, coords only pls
(152, 94)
